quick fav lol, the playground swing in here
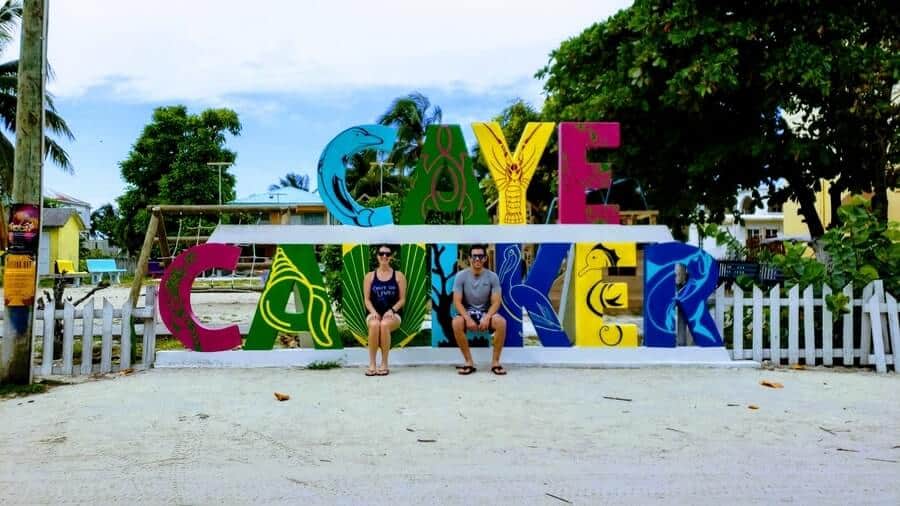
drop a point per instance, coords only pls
(250, 269)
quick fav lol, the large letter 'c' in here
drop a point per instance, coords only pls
(175, 297)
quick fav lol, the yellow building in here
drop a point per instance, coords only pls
(60, 235)
(794, 226)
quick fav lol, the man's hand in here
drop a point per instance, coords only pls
(485, 322)
(470, 323)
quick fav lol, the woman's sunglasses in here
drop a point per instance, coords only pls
(384, 253)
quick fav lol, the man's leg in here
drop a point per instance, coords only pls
(459, 332)
(498, 323)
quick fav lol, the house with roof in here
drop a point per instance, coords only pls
(756, 225)
(306, 208)
(65, 200)
(61, 230)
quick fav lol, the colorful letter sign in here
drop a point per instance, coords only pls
(664, 294)
(593, 295)
(577, 175)
(294, 266)
(512, 172)
(444, 161)
(332, 173)
(175, 297)
(444, 182)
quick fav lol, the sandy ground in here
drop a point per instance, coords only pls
(427, 436)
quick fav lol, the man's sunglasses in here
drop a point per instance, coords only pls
(384, 253)
(478, 257)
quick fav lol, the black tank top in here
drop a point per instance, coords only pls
(384, 294)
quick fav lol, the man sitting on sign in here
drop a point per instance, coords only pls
(476, 297)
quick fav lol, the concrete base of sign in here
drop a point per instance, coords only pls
(531, 356)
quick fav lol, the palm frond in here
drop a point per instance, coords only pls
(58, 155)
(10, 14)
(57, 124)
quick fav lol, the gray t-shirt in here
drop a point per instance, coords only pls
(476, 290)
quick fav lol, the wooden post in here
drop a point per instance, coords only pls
(15, 359)
(140, 270)
(163, 238)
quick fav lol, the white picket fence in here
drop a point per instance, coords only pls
(869, 334)
(115, 328)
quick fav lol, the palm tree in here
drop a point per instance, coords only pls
(292, 180)
(411, 115)
(10, 15)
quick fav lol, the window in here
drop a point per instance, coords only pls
(753, 233)
(771, 233)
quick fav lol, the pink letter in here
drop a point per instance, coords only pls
(577, 175)
(175, 297)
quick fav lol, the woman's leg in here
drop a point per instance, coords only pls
(388, 325)
(374, 331)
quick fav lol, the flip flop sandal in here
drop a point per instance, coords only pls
(383, 372)
(371, 372)
(498, 370)
(466, 370)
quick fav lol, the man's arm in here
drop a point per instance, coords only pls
(457, 301)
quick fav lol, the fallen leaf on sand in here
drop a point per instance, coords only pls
(427, 440)
(753, 406)
(126, 372)
(798, 367)
(282, 397)
(771, 384)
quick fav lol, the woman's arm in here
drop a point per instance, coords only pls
(401, 283)
(367, 288)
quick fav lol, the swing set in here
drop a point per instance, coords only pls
(252, 267)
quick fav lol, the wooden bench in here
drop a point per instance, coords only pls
(66, 269)
(100, 266)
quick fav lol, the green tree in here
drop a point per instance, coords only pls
(104, 222)
(702, 90)
(411, 115)
(10, 15)
(292, 180)
(167, 165)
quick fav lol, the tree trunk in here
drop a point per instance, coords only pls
(807, 200)
(834, 197)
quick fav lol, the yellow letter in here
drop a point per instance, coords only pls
(512, 172)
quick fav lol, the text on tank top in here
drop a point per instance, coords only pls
(384, 294)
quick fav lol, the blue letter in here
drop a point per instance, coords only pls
(662, 296)
(332, 174)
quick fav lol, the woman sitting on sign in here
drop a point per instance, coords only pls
(384, 290)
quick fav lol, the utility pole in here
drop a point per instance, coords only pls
(381, 166)
(219, 165)
(20, 274)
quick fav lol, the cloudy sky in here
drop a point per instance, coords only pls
(296, 72)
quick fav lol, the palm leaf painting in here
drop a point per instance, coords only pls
(356, 265)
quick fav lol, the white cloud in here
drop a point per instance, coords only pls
(204, 50)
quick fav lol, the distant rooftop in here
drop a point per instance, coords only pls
(64, 198)
(292, 196)
(57, 217)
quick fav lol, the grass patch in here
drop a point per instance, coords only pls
(324, 365)
(11, 391)
(168, 344)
